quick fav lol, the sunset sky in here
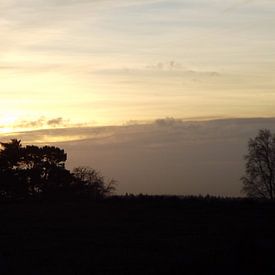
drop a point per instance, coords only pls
(162, 95)
(100, 62)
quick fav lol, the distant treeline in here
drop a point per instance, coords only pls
(185, 199)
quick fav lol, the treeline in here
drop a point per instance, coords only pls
(40, 172)
(186, 199)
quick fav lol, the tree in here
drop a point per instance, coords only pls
(45, 167)
(259, 181)
(11, 178)
(31, 170)
(91, 183)
(10, 154)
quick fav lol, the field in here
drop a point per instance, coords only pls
(138, 235)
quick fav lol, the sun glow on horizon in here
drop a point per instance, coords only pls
(7, 121)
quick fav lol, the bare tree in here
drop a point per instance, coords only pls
(259, 181)
(93, 183)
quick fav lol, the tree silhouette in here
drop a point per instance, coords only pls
(91, 183)
(259, 181)
(45, 167)
(31, 170)
(11, 154)
(12, 179)
(34, 171)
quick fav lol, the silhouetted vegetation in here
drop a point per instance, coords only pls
(39, 172)
(259, 181)
(91, 183)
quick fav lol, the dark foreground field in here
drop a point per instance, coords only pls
(138, 236)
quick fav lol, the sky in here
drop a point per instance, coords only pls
(148, 91)
(102, 62)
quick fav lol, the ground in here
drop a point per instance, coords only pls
(138, 235)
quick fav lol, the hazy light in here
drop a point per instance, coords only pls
(108, 62)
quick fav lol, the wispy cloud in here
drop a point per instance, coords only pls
(41, 122)
(242, 3)
(56, 122)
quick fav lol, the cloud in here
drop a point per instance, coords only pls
(169, 121)
(31, 68)
(30, 124)
(167, 156)
(243, 3)
(56, 122)
(171, 65)
(238, 5)
(41, 122)
(164, 70)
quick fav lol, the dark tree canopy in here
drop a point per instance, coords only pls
(33, 171)
(10, 154)
(259, 181)
(30, 170)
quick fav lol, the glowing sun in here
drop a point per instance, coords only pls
(7, 121)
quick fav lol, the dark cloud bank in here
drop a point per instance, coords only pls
(168, 156)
